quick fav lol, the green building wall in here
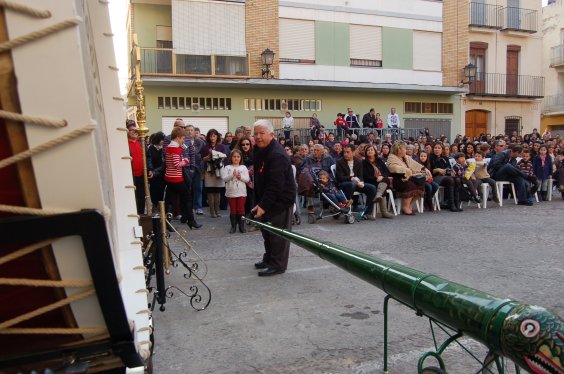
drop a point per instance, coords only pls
(159, 15)
(397, 48)
(332, 103)
(332, 43)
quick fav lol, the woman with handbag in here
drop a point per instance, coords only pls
(212, 175)
(408, 176)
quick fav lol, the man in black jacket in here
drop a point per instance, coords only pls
(275, 193)
(500, 169)
(349, 176)
(369, 119)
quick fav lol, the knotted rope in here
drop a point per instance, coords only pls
(24, 9)
(6, 46)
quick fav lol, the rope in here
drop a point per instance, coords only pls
(7, 45)
(24, 251)
(71, 283)
(47, 308)
(25, 9)
(30, 119)
(45, 146)
(54, 331)
(31, 211)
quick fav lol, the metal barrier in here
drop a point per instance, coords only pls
(303, 136)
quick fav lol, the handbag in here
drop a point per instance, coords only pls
(418, 180)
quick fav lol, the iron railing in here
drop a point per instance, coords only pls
(554, 103)
(163, 61)
(485, 15)
(557, 55)
(510, 85)
(519, 19)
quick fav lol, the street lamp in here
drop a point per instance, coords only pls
(267, 60)
(470, 73)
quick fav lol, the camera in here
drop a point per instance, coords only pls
(448, 171)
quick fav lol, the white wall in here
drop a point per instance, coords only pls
(358, 74)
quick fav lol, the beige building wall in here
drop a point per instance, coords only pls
(530, 64)
(553, 36)
(455, 41)
(261, 32)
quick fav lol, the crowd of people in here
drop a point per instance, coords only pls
(220, 171)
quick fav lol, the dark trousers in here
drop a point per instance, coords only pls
(277, 249)
(369, 190)
(516, 176)
(196, 188)
(181, 189)
(157, 186)
(140, 194)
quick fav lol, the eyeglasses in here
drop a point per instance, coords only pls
(245, 145)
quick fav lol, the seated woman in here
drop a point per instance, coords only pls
(376, 173)
(431, 186)
(441, 170)
(409, 178)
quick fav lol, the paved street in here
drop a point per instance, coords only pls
(316, 318)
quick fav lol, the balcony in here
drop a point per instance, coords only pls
(507, 85)
(557, 57)
(163, 62)
(485, 15)
(554, 104)
(519, 19)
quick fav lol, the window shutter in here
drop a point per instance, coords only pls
(208, 28)
(366, 42)
(164, 33)
(427, 49)
(297, 39)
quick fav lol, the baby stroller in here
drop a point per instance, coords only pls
(334, 210)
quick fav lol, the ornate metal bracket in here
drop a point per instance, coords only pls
(199, 294)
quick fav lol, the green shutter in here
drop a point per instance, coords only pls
(397, 48)
(332, 43)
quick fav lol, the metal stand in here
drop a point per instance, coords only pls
(158, 256)
(453, 337)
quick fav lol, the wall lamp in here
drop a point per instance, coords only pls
(470, 73)
(267, 60)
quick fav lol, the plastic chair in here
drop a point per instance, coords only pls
(499, 185)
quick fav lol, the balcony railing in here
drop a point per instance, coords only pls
(162, 61)
(485, 15)
(554, 103)
(509, 85)
(557, 55)
(519, 19)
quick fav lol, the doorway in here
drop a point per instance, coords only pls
(476, 123)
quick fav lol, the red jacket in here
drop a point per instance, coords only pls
(136, 153)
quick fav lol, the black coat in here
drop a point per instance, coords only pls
(343, 172)
(275, 187)
(368, 120)
(368, 170)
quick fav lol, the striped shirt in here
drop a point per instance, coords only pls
(174, 163)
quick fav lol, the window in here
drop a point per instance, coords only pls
(365, 45)
(478, 58)
(300, 105)
(428, 108)
(203, 103)
(297, 41)
(231, 65)
(192, 64)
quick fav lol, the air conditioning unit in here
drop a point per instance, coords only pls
(195, 107)
(283, 106)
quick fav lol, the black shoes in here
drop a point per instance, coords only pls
(270, 271)
(526, 203)
(194, 225)
(260, 265)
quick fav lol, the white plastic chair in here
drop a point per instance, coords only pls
(499, 185)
